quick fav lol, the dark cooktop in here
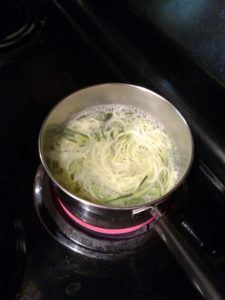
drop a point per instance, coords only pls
(48, 50)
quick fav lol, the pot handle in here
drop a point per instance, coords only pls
(198, 268)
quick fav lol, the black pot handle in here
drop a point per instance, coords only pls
(198, 268)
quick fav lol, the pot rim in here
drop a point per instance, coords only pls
(114, 208)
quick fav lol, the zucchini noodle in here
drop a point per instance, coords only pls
(114, 155)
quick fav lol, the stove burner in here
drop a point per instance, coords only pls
(103, 230)
(21, 24)
(93, 244)
(75, 237)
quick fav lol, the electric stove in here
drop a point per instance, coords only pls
(49, 49)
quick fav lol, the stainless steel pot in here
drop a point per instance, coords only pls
(199, 270)
(157, 106)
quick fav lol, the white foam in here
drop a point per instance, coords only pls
(121, 108)
(116, 108)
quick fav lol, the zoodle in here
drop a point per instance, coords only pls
(114, 155)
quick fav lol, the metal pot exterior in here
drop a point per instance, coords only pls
(114, 93)
(105, 217)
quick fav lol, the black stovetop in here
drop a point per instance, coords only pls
(67, 46)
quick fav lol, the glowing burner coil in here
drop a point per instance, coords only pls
(101, 230)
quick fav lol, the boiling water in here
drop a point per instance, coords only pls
(114, 155)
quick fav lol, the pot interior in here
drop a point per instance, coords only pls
(124, 94)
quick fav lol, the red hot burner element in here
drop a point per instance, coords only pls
(21, 25)
(78, 238)
(106, 231)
